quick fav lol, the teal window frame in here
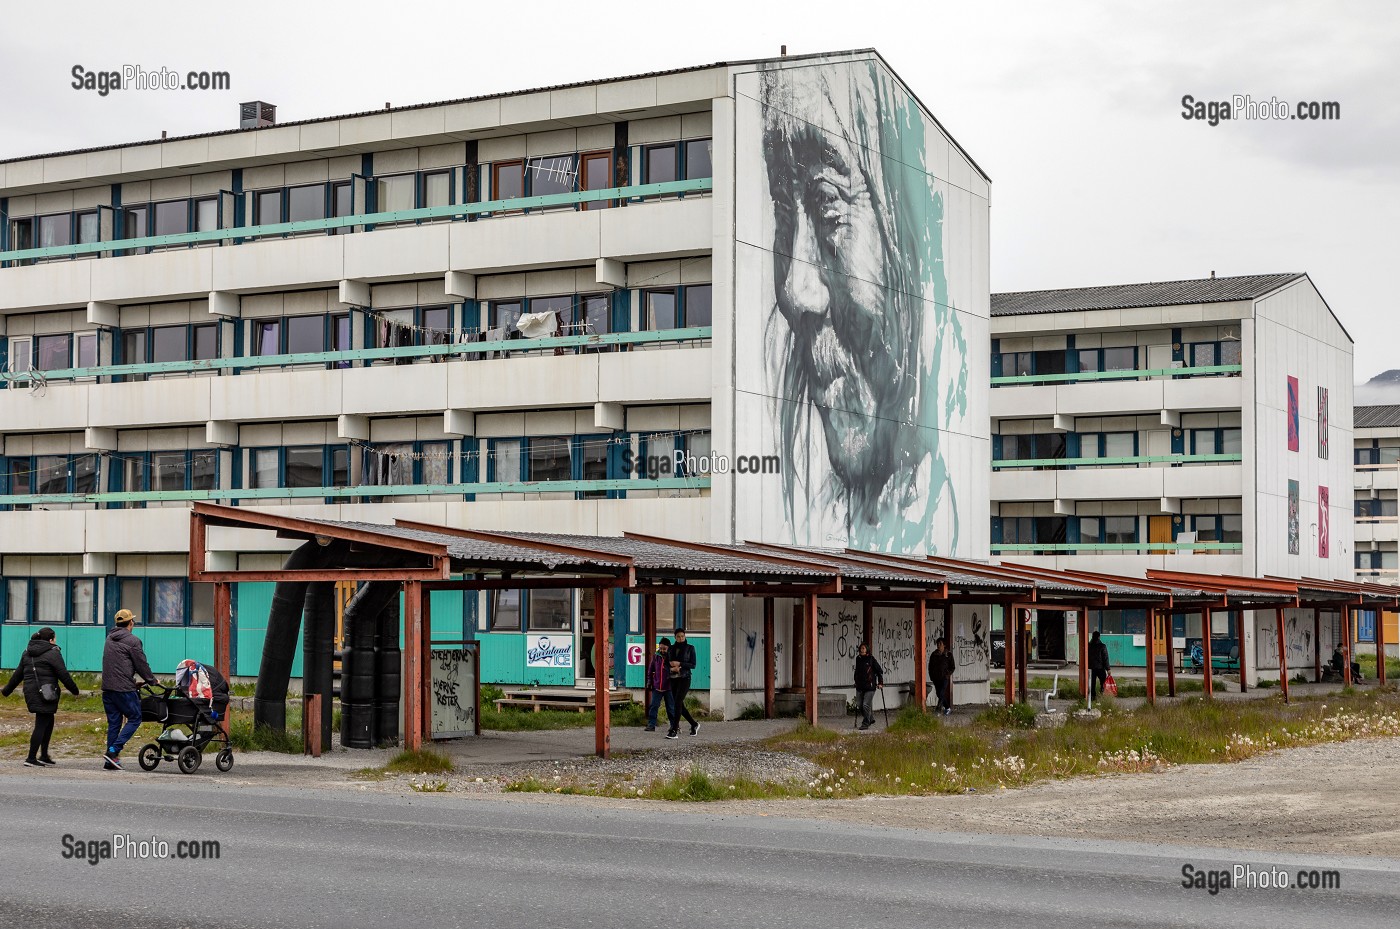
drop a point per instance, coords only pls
(417, 449)
(680, 295)
(527, 625)
(68, 619)
(1217, 439)
(1218, 531)
(143, 608)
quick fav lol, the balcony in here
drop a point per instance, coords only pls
(1376, 529)
(1376, 477)
(1104, 393)
(1117, 478)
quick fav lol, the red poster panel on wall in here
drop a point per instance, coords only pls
(1292, 414)
(1322, 524)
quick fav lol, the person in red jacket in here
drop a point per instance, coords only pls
(659, 686)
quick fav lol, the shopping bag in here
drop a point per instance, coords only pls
(1110, 686)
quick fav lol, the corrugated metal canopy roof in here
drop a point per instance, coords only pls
(1376, 417)
(1123, 296)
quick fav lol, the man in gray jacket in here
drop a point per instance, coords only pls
(123, 664)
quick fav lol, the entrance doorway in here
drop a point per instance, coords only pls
(1050, 635)
(1159, 637)
(584, 668)
(1159, 529)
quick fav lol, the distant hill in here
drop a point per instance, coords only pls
(1382, 389)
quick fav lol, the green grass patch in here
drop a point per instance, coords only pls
(246, 737)
(1368, 668)
(422, 761)
(806, 733)
(752, 711)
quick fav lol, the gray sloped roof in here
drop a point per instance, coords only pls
(680, 560)
(484, 552)
(1122, 296)
(1376, 417)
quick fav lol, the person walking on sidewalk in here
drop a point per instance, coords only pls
(681, 661)
(869, 678)
(123, 664)
(41, 670)
(658, 688)
(940, 673)
(1098, 665)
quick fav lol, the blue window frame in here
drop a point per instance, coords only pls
(1108, 445)
(166, 601)
(178, 469)
(299, 466)
(1224, 441)
(49, 601)
(677, 307)
(1217, 527)
(409, 463)
(531, 610)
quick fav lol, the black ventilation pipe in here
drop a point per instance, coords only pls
(279, 645)
(318, 644)
(357, 662)
(387, 674)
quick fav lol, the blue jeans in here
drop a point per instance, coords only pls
(654, 701)
(119, 704)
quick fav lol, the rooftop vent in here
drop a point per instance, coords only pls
(256, 115)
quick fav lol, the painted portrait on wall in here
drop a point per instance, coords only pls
(1292, 517)
(1323, 523)
(1292, 414)
(1322, 450)
(866, 359)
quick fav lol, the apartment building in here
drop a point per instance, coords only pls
(742, 301)
(1182, 425)
(1376, 433)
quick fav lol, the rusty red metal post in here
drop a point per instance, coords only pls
(809, 654)
(1170, 621)
(1023, 652)
(1083, 623)
(412, 665)
(1207, 685)
(1282, 653)
(425, 653)
(1346, 645)
(920, 694)
(1152, 619)
(223, 637)
(1380, 645)
(602, 660)
(311, 725)
(1009, 622)
(770, 662)
(1244, 663)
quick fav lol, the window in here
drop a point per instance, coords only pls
(21, 354)
(267, 337)
(1036, 446)
(167, 606)
(85, 354)
(305, 334)
(306, 466)
(552, 174)
(82, 601)
(1216, 441)
(206, 214)
(22, 234)
(659, 163)
(1049, 362)
(263, 467)
(437, 188)
(436, 323)
(1388, 454)
(561, 307)
(169, 470)
(55, 230)
(1119, 444)
(661, 309)
(49, 596)
(172, 470)
(306, 202)
(1089, 359)
(593, 464)
(203, 469)
(1231, 441)
(393, 328)
(1120, 359)
(435, 463)
(342, 204)
(134, 222)
(51, 474)
(1025, 530)
(168, 343)
(505, 611)
(505, 314)
(550, 610)
(267, 207)
(1120, 529)
(1361, 456)
(595, 173)
(1016, 364)
(17, 600)
(549, 459)
(172, 217)
(505, 463)
(698, 159)
(89, 227)
(1090, 529)
(204, 339)
(697, 305)
(55, 352)
(594, 314)
(507, 180)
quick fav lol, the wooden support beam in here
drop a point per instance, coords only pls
(425, 651)
(1153, 618)
(314, 576)
(1244, 662)
(1282, 653)
(920, 694)
(1206, 653)
(1346, 645)
(809, 654)
(602, 661)
(770, 669)
(412, 666)
(1023, 653)
(311, 724)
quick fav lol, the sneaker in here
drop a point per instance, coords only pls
(649, 729)
(111, 763)
(947, 711)
(694, 728)
(864, 726)
(672, 735)
(47, 762)
(33, 763)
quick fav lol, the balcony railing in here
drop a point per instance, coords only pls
(1134, 460)
(237, 234)
(453, 350)
(368, 491)
(1075, 548)
(1127, 375)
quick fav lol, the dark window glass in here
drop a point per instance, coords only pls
(1049, 445)
(1050, 529)
(594, 311)
(55, 230)
(340, 467)
(1049, 362)
(552, 174)
(505, 315)
(172, 217)
(661, 309)
(342, 203)
(507, 180)
(203, 469)
(437, 325)
(268, 206)
(206, 214)
(22, 234)
(134, 226)
(168, 470)
(89, 227)
(306, 334)
(51, 474)
(1088, 359)
(85, 474)
(660, 163)
(55, 352)
(697, 158)
(437, 188)
(267, 337)
(593, 455)
(20, 476)
(306, 466)
(168, 343)
(1120, 359)
(595, 173)
(549, 459)
(551, 610)
(697, 305)
(205, 339)
(306, 202)
(561, 307)
(505, 610)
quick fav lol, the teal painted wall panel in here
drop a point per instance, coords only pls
(503, 662)
(446, 615)
(1122, 653)
(250, 625)
(14, 639)
(699, 678)
(81, 645)
(165, 648)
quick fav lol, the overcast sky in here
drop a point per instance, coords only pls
(1072, 108)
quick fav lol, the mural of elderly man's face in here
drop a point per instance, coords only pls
(845, 278)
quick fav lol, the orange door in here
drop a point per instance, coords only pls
(1159, 529)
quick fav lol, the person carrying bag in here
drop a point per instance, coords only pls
(41, 669)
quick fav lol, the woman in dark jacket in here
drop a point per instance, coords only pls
(41, 664)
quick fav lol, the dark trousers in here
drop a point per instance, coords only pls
(1096, 681)
(679, 688)
(121, 705)
(943, 687)
(655, 698)
(39, 738)
(865, 699)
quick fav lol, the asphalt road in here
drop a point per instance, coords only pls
(346, 859)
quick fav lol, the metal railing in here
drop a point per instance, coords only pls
(1060, 463)
(1125, 375)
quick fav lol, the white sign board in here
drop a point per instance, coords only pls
(549, 651)
(454, 678)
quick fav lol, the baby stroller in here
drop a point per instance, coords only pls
(189, 715)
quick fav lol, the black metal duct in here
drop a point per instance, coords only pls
(318, 644)
(387, 674)
(357, 661)
(279, 645)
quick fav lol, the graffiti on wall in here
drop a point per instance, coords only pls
(1298, 633)
(1322, 412)
(1292, 414)
(1292, 517)
(867, 360)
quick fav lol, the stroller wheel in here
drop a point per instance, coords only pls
(149, 756)
(189, 759)
(224, 760)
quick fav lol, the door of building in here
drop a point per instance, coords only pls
(1159, 529)
(1159, 636)
(583, 641)
(1050, 635)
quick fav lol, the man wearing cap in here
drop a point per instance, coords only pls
(123, 663)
